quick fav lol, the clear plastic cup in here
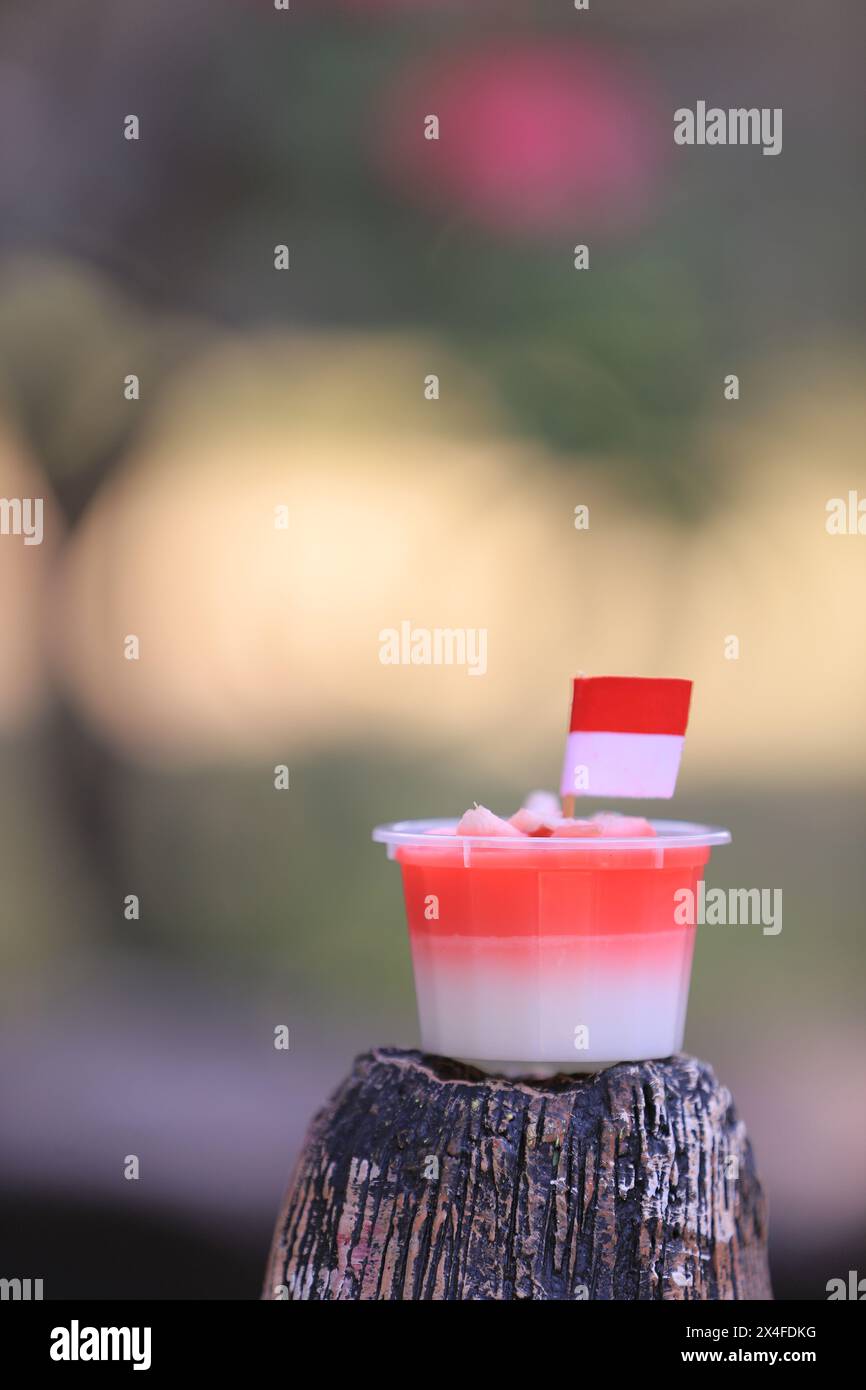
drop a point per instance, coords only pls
(533, 956)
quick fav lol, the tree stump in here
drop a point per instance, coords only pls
(426, 1179)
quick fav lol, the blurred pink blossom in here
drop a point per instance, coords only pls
(533, 138)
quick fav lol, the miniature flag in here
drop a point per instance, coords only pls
(626, 736)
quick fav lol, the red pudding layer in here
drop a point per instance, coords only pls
(514, 892)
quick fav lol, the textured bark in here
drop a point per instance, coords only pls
(635, 1183)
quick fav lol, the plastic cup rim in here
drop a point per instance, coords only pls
(670, 834)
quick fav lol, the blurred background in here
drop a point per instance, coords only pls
(304, 389)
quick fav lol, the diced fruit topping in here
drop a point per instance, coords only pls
(545, 805)
(528, 823)
(538, 823)
(612, 823)
(576, 828)
(480, 821)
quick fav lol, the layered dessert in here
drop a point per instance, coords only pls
(545, 942)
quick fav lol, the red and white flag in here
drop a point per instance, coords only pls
(625, 737)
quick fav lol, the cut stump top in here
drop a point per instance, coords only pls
(423, 1178)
